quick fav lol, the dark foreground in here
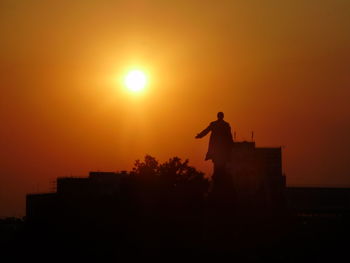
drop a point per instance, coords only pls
(215, 235)
(170, 212)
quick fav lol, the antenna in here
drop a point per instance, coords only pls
(252, 136)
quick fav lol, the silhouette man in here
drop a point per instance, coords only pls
(220, 144)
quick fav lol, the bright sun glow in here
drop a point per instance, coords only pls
(135, 80)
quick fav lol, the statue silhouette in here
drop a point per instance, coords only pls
(220, 143)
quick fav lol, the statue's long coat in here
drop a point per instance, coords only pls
(220, 142)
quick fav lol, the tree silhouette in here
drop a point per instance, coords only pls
(149, 167)
(171, 174)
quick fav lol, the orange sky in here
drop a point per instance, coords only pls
(280, 68)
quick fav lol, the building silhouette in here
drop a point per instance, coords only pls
(257, 176)
(248, 207)
(253, 180)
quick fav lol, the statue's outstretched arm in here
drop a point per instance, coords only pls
(204, 132)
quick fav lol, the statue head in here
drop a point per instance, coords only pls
(220, 115)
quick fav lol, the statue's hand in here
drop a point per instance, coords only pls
(197, 136)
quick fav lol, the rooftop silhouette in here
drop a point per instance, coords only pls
(165, 206)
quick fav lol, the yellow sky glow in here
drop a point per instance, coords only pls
(279, 68)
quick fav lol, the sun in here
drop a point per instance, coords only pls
(135, 80)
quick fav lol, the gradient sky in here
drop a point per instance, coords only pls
(280, 68)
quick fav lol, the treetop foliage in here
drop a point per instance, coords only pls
(174, 171)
